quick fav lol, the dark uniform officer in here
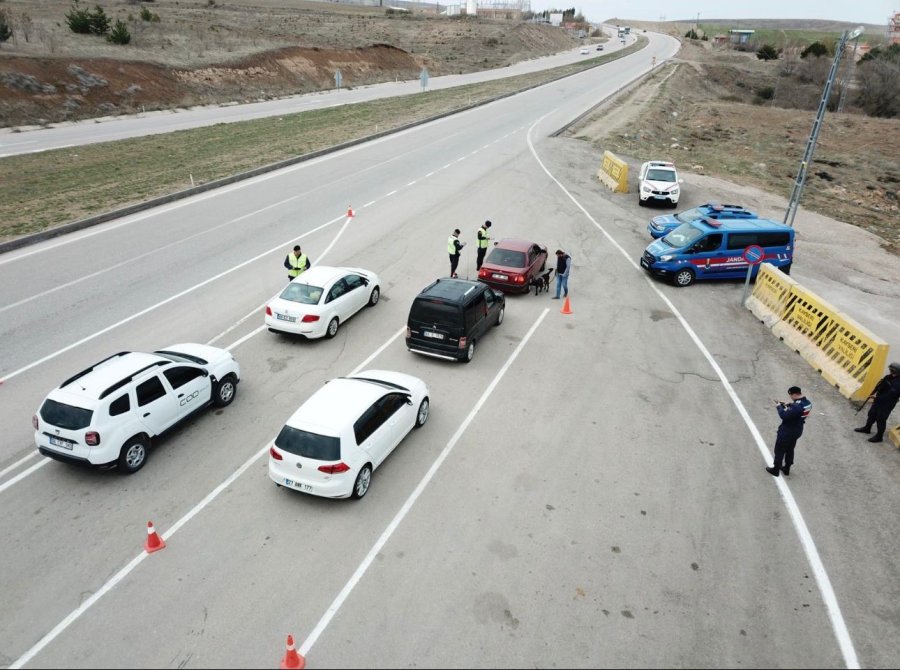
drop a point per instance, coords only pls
(885, 397)
(454, 246)
(483, 239)
(793, 415)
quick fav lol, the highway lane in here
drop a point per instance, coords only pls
(575, 425)
(110, 129)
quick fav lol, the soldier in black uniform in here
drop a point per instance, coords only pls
(793, 415)
(884, 399)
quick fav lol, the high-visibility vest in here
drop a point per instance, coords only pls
(451, 245)
(298, 264)
(483, 238)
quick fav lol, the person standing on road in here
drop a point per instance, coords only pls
(793, 415)
(884, 398)
(483, 241)
(296, 263)
(563, 267)
(454, 246)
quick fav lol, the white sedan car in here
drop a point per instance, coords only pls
(658, 182)
(331, 445)
(317, 302)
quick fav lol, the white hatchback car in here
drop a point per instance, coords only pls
(331, 445)
(317, 302)
(107, 414)
(658, 181)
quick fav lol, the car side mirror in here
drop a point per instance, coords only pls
(206, 373)
(409, 400)
(365, 282)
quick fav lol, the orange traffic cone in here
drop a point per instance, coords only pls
(566, 308)
(349, 212)
(154, 541)
(291, 658)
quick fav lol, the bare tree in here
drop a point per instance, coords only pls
(25, 25)
(878, 83)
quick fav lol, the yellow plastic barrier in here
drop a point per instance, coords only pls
(613, 172)
(846, 354)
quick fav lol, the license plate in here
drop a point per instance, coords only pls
(285, 317)
(435, 336)
(65, 444)
(298, 485)
(496, 276)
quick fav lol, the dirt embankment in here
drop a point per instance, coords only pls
(197, 53)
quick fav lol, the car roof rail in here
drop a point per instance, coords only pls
(81, 374)
(127, 380)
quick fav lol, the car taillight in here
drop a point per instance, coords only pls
(483, 274)
(309, 318)
(462, 343)
(519, 279)
(268, 311)
(34, 421)
(92, 439)
(274, 454)
(334, 469)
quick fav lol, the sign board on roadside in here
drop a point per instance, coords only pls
(423, 78)
(338, 78)
(754, 255)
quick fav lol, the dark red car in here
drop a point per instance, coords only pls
(512, 264)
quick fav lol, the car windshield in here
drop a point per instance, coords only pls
(302, 293)
(507, 258)
(689, 215)
(654, 174)
(65, 416)
(683, 236)
(309, 445)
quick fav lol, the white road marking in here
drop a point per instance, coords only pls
(410, 501)
(388, 195)
(412, 183)
(24, 474)
(124, 572)
(19, 462)
(809, 547)
(371, 202)
(429, 174)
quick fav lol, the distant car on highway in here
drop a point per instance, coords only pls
(584, 51)
(107, 414)
(336, 439)
(666, 223)
(317, 302)
(599, 47)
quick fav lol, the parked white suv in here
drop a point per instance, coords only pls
(658, 181)
(107, 414)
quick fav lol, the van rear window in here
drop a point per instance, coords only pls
(433, 311)
(65, 416)
(309, 445)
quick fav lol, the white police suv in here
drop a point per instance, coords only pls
(658, 182)
(108, 414)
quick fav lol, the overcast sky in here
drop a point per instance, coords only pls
(858, 11)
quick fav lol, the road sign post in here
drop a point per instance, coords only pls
(338, 78)
(754, 255)
(423, 78)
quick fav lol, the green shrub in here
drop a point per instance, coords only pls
(767, 52)
(815, 49)
(691, 34)
(491, 42)
(119, 34)
(99, 21)
(765, 92)
(147, 15)
(78, 19)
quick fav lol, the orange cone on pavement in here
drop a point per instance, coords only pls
(349, 212)
(154, 541)
(291, 658)
(566, 308)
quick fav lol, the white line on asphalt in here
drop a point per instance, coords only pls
(388, 195)
(429, 174)
(412, 183)
(410, 501)
(24, 474)
(19, 462)
(124, 572)
(809, 547)
(371, 202)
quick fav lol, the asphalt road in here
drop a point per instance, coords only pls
(588, 492)
(108, 129)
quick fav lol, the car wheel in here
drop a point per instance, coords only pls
(641, 203)
(470, 352)
(223, 391)
(133, 455)
(363, 479)
(422, 414)
(332, 328)
(684, 277)
(500, 316)
(786, 269)
(374, 296)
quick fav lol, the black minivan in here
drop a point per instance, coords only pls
(449, 316)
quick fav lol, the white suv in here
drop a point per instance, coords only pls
(658, 181)
(107, 414)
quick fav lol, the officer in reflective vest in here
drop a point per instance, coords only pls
(296, 263)
(483, 239)
(454, 246)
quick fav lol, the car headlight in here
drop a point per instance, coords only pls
(645, 188)
(674, 190)
(667, 257)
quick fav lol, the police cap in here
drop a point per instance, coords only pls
(894, 367)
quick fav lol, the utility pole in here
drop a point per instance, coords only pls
(800, 181)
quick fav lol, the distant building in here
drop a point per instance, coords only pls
(556, 20)
(894, 29)
(737, 36)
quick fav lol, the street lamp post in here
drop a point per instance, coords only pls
(800, 181)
